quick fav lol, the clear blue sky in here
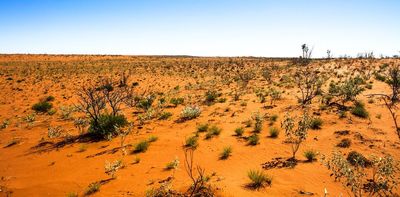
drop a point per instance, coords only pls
(200, 27)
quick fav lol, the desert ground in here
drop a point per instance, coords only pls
(230, 113)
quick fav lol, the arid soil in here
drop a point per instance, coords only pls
(33, 163)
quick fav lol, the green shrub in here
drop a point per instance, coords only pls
(173, 164)
(202, 127)
(176, 101)
(357, 159)
(226, 152)
(211, 96)
(165, 115)
(92, 188)
(273, 132)
(258, 122)
(259, 178)
(141, 147)
(49, 98)
(359, 110)
(273, 118)
(239, 131)
(42, 106)
(105, 126)
(146, 102)
(213, 131)
(344, 143)
(221, 100)
(191, 142)
(253, 139)
(311, 155)
(316, 123)
(152, 138)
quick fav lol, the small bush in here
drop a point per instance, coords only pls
(173, 164)
(49, 98)
(146, 102)
(105, 126)
(359, 110)
(258, 122)
(247, 123)
(259, 178)
(92, 188)
(239, 131)
(176, 101)
(273, 118)
(141, 147)
(191, 142)
(316, 123)
(213, 131)
(253, 139)
(165, 115)
(42, 106)
(202, 127)
(211, 96)
(190, 112)
(152, 138)
(273, 132)
(357, 159)
(311, 155)
(226, 152)
(344, 143)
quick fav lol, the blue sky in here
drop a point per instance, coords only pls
(200, 27)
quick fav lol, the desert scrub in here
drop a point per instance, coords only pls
(273, 132)
(191, 142)
(105, 126)
(357, 159)
(344, 143)
(80, 124)
(211, 96)
(226, 152)
(316, 123)
(165, 115)
(110, 168)
(82, 148)
(253, 139)
(359, 110)
(247, 123)
(296, 136)
(141, 147)
(54, 132)
(259, 179)
(176, 101)
(239, 131)
(152, 138)
(273, 119)
(310, 155)
(202, 127)
(92, 188)
(173, 164)
(190, 112)
(4, 124)
(42, 106)
(258, 122)
(213, 131)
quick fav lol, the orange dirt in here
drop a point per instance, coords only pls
(34, 166)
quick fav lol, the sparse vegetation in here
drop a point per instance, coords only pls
(273, 132)
(259, 179)
(226, 152)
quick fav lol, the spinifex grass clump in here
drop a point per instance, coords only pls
(259, 179)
